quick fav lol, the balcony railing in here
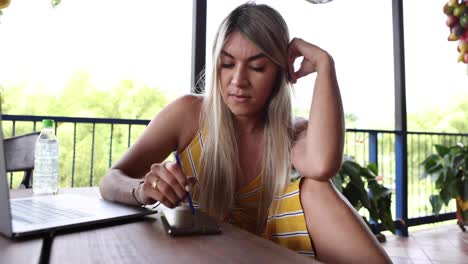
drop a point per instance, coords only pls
(378, 146)
(88, 147)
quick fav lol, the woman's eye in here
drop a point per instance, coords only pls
(227, 65)
(258, 69)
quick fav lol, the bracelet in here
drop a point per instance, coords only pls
(133, 193)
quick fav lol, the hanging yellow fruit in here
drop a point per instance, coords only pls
(4, 3)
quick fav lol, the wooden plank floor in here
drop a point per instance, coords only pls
(440, 244)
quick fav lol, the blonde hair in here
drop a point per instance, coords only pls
(264, 27)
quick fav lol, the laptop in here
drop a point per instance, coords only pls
(42, 214)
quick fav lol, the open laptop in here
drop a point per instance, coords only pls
(42, 214)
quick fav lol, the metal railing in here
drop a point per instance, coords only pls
(378, 146)
(89, 146)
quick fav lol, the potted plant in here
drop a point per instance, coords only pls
(448, 169)
(359, 185)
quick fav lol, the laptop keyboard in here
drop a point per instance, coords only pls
(37, 212)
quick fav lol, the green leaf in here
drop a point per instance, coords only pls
(463, 188)
(435, 176)
(338, 182)
(352, 194)
(431, 164)
(353, 170)
(455, 150)
(55, 2)
(440, 180)
(446, 194)
(377, 200)
(448, 161)
(455, 188)
(363, 195)
(437, 167)
(366, 173)
(459, 161)
(373, 168)
(442, 150)
(378, 191)
(385, 214)
(436, 203)
(430, 161)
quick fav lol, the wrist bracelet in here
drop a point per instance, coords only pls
(133, 193)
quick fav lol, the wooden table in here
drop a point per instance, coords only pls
(20, 251)
(146, 241)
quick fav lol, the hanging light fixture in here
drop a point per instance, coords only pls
(319, 1)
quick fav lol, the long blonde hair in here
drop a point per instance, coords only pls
(264, 27)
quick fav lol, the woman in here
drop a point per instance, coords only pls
(241, 147)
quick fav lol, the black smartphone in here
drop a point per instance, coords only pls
(181, 222)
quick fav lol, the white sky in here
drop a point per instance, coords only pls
(149, 41)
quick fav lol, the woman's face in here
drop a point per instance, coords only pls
(247, 76)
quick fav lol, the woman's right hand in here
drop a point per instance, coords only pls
(166, 183)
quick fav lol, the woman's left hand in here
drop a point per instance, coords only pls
(313, 58)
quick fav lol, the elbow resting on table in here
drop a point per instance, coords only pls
(104, 189)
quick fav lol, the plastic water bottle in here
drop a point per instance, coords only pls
(45, 176)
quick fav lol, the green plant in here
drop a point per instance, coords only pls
(359, 185)
(448, 169)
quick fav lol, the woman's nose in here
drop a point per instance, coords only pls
(239, 77)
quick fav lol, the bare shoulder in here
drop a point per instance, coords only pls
(187, 104)
(174, 124)
(187, 110)
(171, 129)
(184, 108)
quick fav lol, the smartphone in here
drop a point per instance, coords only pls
(181, 222)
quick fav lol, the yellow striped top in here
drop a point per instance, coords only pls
(286, 223)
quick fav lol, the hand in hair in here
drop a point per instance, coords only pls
(318, 149)
(314, 58)
(166, 183)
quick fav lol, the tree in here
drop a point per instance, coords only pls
(80, 98)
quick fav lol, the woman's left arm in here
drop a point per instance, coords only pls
(318, 152)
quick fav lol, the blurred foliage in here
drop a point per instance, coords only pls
(453, 119)
(359, 185)
(54, 3)
(448, 170)
(80, 98)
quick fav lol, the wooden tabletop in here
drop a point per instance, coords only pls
(146, 241)
(20, 251)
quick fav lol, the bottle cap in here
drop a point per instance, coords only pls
(47, 123)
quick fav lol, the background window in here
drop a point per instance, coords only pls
(436, 85)
(94, 47)
(84, 58)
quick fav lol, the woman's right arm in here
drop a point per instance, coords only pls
(172, 129)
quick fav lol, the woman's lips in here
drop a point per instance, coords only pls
(239, 98)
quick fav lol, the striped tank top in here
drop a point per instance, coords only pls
(286, 223)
